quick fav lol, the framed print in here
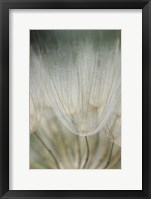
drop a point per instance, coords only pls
(75, 99)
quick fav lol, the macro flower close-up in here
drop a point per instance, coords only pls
(75, 99)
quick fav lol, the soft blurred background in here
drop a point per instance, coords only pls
(57, 139)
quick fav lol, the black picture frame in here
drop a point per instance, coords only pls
(5, 5)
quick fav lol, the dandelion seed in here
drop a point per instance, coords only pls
(36, 88)
(77, 74)
(84, 80)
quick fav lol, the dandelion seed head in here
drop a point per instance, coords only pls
(82, 75)
(75, 89)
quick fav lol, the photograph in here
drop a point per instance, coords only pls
(75, 99)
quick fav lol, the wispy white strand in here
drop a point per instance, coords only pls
(84, 82)
(37, 94)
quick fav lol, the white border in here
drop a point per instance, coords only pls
(130, 176)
